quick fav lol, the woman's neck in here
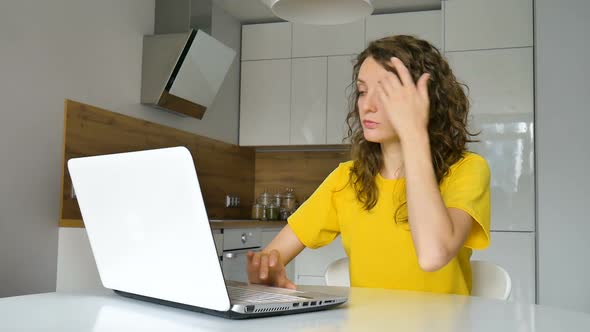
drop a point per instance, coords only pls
(392, 160)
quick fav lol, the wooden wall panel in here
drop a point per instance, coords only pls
(222, 167)
(302, 170)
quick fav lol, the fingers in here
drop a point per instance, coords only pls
(267, 268)
(263, 266)
(402, 72)
(423, 86)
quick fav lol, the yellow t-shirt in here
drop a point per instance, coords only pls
(380, 250)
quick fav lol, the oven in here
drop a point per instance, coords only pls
(236, 244)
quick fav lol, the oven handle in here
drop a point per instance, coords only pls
(235, 253)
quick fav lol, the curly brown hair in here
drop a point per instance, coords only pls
(447, 124)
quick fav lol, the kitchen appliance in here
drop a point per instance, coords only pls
(236, 244)
(183, 67)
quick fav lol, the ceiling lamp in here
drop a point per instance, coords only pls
(320, 12)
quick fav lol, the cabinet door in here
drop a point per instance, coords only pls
(265, 102)
(515, 252)
(426, 25)
(499, 81)
(267, 236)
(318, 40)
(485, 24)
(312, 263)
(501, 91)
(266, 41)
(506, 141)
(308, 101)
(339, 90)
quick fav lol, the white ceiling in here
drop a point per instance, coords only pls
(253, 11)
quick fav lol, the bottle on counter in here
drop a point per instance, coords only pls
(257, 211)
(289, 200)
(272, 211)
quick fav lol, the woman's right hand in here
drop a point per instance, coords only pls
(267, 268)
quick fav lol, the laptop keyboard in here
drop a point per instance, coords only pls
(241, 294)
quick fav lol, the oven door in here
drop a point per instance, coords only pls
(234, 264)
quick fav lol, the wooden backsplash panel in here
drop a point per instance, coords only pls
(302, 170)
(222, 167)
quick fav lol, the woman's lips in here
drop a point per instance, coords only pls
(369, 124)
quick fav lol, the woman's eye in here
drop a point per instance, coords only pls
(362, 93)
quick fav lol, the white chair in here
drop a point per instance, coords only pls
(489, 280)
(337, 273)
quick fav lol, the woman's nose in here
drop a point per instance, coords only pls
(367, 103)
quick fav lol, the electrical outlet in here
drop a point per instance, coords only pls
(232, 201)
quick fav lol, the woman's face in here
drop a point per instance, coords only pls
(376, 126)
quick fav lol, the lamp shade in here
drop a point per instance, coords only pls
(320, 12)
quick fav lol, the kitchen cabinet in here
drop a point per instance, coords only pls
(507, 143)
(499, 81)
(324, 40)
(426, 25)
(501, 92)
(308, 101)
(339, 90)
(266, 41)
(484, 24)
(312, 263)
(265, 102)
(515, 252)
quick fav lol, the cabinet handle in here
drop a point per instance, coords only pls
(244, 238)
(230, 255)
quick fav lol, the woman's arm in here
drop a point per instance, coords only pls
(268, 266)
(438, 233)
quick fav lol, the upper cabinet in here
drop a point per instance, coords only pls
(266, 41)
(499, 81)
(308, 101)
(485, 24)
(426, 25)
(265, 102)
(318, 40)
(339, 90)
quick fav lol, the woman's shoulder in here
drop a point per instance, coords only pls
(471, 163)
(343, 169)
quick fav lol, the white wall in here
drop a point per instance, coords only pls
(88, 51)
(563, 157)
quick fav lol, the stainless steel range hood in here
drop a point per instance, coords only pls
(182, 72)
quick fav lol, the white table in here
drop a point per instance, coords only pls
(367, 310)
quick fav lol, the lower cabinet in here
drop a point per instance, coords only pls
(515, 252)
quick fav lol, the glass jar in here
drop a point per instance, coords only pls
(264, 216)
(265, 198)
(256, 211)
(289, 201)
(284, 214)
(277, 199)
(272, 212)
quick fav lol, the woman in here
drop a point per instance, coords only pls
(412, 203)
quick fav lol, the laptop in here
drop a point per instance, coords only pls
(150, 236)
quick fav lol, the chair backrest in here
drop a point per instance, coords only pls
(489, 280)
(337, 273)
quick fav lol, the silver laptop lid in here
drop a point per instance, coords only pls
(148, 227)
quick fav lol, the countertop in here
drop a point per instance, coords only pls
(366, 310)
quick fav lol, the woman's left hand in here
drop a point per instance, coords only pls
(405, 103)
